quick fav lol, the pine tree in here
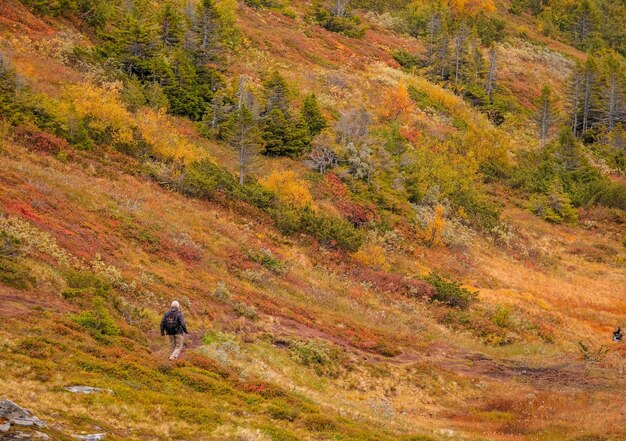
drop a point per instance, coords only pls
(138, 42)
(546, 114)
(312, 116)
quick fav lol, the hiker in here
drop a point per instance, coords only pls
(617, 334)
(173, 324)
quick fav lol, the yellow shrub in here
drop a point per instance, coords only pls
(102, 106)
(290, 189)
(372, 255)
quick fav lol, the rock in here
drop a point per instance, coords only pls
(5, 427)
(41, 435)
(18, 415)
(86, 390)
(91, 437)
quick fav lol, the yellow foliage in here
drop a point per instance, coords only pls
(103, 108)
(471, 7)
(157, 130)
(460, 7)
(372, 255)
(397, 104)
(289, 188)
(432, 235)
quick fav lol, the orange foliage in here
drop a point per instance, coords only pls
(397, 104)
(289, 188)
(432, 234)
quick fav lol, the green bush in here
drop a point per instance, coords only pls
(266, 258)
(349, 25)
(15, 274)
(405, 59)
(98, 321)
(320, 356)
(450, 293)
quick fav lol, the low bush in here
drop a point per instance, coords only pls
(405, 59)
(266, 258)
(328, 230)
(97, 321)
(319, 355)
(348, 25)
(247, 311)
(15, 274)
(450, 293)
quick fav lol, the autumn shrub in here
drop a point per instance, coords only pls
(450, 293)
(290, 190)
(372, 255)
(247, 311)
(319, 423)
(40, 141)
(395, 283)
(359, 214)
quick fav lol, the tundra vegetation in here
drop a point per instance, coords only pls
(383, 219)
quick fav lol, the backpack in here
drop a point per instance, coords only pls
(172, 322)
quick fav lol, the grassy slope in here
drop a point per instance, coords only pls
(243, 378)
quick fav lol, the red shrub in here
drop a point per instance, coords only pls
(395, 283)
(41, 141)
(358, 214)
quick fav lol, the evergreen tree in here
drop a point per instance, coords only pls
(312, 116)
(171, 26)
(182, 90)
(207, 32)
(277, 93)
(137, 41)
(283, 134)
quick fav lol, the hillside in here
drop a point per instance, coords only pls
(398, 221)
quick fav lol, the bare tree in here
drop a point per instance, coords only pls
(492, 71)
(353, 125)
(546, 113)
(340, 8)
(460, 49)
(575, 99)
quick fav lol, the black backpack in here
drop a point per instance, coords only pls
(172, 322)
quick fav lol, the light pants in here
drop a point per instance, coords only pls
(176, 345)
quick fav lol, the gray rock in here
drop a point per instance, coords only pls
(41, 435)
(86, 389)
(91, 437)
(5, 427)
(18, 415)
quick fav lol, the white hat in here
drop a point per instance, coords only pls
(175, 304)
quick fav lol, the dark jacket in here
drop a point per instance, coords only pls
(181, 320)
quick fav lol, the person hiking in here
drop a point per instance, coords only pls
(173, 324)
(617, 334)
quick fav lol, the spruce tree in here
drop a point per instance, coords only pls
(171, 26)
(312, 116)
